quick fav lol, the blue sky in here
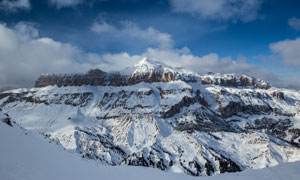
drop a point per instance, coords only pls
(257, 34)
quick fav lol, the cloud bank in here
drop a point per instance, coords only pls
(222, 10)
(127, 29)
(14, 5)
(289, 50)
(65, 3)
(71, 3)
(294, 23)
(24, 56)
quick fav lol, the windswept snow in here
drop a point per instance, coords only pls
(26, 157)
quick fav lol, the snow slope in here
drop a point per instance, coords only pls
(26, 157)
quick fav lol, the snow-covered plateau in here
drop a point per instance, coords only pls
(153, 115)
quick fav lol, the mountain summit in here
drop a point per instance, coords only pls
(146, 65)
(163, 117)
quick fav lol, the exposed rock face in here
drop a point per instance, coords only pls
(295, 133)
(5, 118)
(147, 71)
(231, 80)
(156, 116)
(94, 77)
(279, 95)
(75, 99)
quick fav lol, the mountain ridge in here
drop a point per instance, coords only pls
(147, 71)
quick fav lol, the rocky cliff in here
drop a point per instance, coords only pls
(147, 71)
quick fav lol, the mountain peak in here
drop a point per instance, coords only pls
(146, 62)
(147, 66)
(143, 61)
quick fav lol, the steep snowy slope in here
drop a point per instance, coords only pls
(28, 157)
(156, 116)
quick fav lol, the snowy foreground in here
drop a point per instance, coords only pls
(30, 158)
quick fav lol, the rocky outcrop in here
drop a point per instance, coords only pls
(232, 80)
(74, 99)
(278, 95)
(146, 71)
(295, 133)
(234, 108)
(97, 77)
(185, 102)
(274, 127)
(5, 118)
(94, 77)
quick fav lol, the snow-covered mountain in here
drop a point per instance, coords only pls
(158, 116)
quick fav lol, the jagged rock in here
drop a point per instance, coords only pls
(75, 99)
(295, 136)
(274, 127)
(278, 95)
(147, 71)
(7, 121)
(186, 101)
(5, 118)
(232, 80)
(234, 108)
(168, 76)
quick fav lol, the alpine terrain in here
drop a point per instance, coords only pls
(157, 116)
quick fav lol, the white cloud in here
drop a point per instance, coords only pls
(26, 30)
(129, 29)
(289, 51)
(208, 63)
(71, 3)
(115, 62)
(149, 34)
(103, 27)
(236, 10)
(291, 81)
(294, 23)
(24, 56)
(65, 3)
(14, 5)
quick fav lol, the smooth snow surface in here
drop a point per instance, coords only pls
(26, 157)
